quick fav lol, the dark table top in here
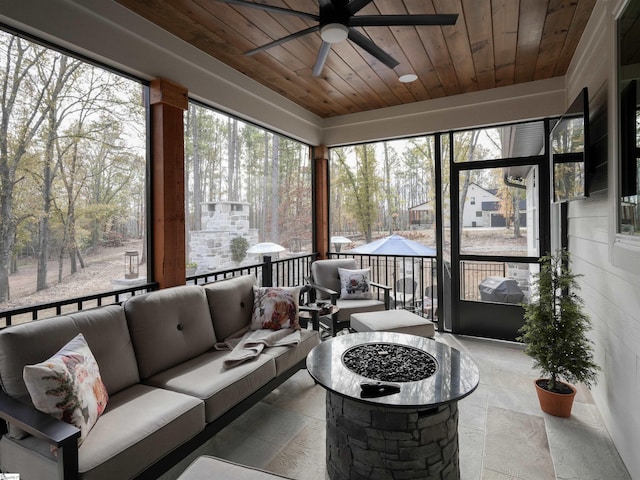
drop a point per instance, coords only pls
(456, 377)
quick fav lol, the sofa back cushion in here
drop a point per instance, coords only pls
(111, 347)
(105, 330)
(168, 327)
(325, 273)
(231, 304)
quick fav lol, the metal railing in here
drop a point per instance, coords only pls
(70, 305)
(473, 273)
(413, 279)
(287, 272)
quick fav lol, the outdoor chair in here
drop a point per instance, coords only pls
(405, 292)
(430, 302)
(325, 280)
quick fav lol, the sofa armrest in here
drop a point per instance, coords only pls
(41, 425)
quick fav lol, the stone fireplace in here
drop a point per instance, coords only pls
(221, 222)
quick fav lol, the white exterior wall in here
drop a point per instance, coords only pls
(469, 212)
(611, 281)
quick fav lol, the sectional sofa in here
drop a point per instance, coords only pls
(167, 385)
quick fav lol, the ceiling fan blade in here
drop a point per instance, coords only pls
(325, 48)
(402, 20)
(366, 44)
(354, 6)
(273, 9)
(282, 40)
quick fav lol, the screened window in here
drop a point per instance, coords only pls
(72, 176)
(244, 185)
(384, 187)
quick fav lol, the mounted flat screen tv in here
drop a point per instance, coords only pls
(569, 141)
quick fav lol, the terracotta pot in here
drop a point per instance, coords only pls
(556, 404)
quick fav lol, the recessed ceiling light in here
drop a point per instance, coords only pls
(408, 77)
(334, 32)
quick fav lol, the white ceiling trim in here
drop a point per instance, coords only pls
(524, 101)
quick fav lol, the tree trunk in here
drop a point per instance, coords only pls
(387, 190)
(47, 180)
(265, 189)
(516, 217)
(275, 188)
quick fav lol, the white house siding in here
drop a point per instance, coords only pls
(610, 288)
(469, 212)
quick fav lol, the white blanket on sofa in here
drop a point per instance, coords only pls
(248, 344)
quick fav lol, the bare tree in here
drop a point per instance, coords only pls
(22, 112)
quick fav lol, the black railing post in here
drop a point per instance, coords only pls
(267, 271)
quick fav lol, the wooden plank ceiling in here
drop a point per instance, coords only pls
(494, 43)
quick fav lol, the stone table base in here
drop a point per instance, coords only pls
(367, 441)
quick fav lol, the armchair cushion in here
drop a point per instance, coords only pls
(347, 307)
(325, 274)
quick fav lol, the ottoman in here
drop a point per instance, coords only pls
(399, 321)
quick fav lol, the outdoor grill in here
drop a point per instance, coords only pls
(500, 289)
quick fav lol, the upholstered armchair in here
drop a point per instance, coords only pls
(325, 279)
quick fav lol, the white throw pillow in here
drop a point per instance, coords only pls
(354, 284)
(68, 386)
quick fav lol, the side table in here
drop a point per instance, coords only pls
(320, 319)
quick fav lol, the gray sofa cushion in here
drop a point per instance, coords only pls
(169, 327)
(204, 377)
(107, 334)
(287, 357)
(140, 425)
(325, 274)
(27, 344)
(105, 330)
(231, 304)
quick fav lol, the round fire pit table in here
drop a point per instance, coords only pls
(395, 426)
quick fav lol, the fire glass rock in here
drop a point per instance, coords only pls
(389, 362)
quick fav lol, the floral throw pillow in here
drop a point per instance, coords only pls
(275, 308)
(354, 284)
(68, 386)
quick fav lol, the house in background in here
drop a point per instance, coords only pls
(492, 217)
(473, 213)
(422, 216)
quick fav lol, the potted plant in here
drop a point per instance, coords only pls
(554, 334)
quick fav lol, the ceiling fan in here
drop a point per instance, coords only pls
(336, 21)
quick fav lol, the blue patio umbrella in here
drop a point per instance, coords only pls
(395, 245)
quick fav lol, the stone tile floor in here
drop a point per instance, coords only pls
(503, 434)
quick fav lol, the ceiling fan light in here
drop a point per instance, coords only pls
(408, 77)
(334, 32)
